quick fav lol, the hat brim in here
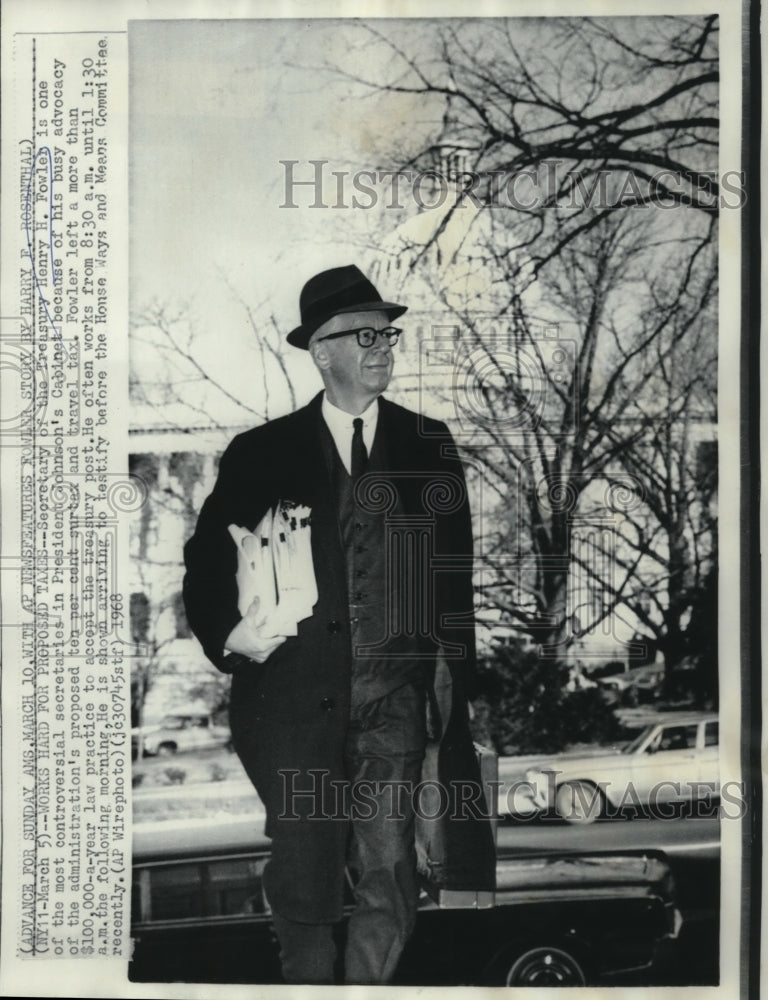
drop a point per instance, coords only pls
(300, 337)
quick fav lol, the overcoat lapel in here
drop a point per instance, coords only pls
(314, 476)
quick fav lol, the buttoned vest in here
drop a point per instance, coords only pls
(384, 655)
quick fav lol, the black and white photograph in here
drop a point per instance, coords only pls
(381, 428)
(495, 242)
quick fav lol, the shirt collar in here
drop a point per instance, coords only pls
(342, 421)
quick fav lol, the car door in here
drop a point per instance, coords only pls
(664, 770)
(197, 734)
(709, 756)
(202, 919)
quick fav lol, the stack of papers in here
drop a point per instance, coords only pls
(274, 564)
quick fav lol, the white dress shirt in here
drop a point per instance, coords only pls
(340, 425)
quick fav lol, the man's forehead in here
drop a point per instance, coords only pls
(351, 321)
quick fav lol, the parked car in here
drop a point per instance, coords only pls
(178, 732)
(640, 684)
(672, 760)
(200, 915)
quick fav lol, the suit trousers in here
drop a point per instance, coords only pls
(385, 747)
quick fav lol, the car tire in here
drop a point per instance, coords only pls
(543, 966)
(579, 802)
(166, 750)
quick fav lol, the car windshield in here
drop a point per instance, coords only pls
(637, 742)
(172, 722)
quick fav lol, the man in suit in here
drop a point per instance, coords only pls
(330, 723)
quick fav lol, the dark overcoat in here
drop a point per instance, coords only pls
(289, 715)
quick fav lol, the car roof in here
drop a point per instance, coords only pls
(677, 717)
(200, 840)
(659, 718)
(186, 715)
(166, 840)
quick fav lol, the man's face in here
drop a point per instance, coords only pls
(349, 371)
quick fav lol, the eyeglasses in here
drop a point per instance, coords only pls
(366, 335)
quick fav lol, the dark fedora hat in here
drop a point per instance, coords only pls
(339, 290)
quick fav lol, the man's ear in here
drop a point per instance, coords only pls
(320, 355)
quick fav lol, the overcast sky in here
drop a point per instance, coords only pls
(215, 106)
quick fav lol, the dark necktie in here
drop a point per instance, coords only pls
(359, 452)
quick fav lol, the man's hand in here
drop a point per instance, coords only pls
(249, 637)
